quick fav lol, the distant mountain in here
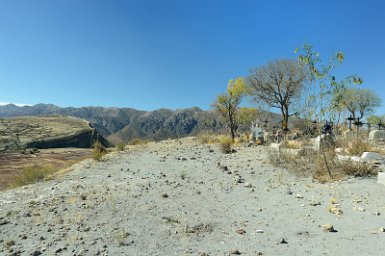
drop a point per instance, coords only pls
(124, 124)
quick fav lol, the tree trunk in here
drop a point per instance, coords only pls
(232, 125)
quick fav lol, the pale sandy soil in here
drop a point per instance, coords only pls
(177, 198)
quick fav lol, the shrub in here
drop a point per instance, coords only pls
(358, 146)
(98, 151)
(33, 174)
(357, 169)
(121, 146)
(225, 145)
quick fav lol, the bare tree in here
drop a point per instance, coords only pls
(277, 84)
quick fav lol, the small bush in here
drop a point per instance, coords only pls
(356, 169)
(357, 147)
(33, 174)
(98, 151)
(225, 145)
(121, 146)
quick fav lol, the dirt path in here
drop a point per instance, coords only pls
(182, 198)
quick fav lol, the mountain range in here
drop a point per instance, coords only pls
(124, 124)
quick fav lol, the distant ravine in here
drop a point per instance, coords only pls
(124, 124)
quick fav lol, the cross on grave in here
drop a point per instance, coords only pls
(380, 125)
(358, 124)
(350, 119)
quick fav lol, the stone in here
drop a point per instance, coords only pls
(235, 252)
(328, 228)
(381, 178)
(299, 196)
(248, 185)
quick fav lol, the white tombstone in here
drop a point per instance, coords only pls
(324, 141)
(381, 178)
(372, 157)
(258, 133)
(377, 136)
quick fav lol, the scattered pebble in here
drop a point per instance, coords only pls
(328, 228)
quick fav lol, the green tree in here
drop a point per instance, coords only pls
(360, 101)
(374, 120)
(227, 104)
(246, 116)
(322, 85)
(278, 84)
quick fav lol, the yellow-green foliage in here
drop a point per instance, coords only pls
(98, 151)
(227, 103)
(121, 146)
(245, 116)
(225, 145)
(33, 174)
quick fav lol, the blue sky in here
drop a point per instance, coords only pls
(149, 54)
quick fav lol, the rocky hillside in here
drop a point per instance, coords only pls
(124, 124)
(47, 132)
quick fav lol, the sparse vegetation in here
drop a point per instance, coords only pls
(33, 174)
(225, 145)
(137, 141)
(98, 151)
(207, 138)
(121, 146)
(358, 146)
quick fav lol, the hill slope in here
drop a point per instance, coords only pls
(46, 132)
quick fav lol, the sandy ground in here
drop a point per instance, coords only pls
(184, 198)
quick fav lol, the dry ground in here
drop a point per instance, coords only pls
(184, 198)
(13, 163)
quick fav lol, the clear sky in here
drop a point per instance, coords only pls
(149, 54)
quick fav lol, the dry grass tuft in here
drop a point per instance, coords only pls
(357, 169)
(358, 146)
(121, 146)
(225, 145)
(207, 138)
(98, 151)
(292, 144)
(33, 174)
